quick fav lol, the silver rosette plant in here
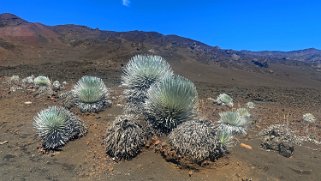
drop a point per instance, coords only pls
(224, 139)
(309, 118)
(225, 100)
(232, 122)
(250, 105)
(42, 81)
(140, 73)
(91, 94)
(171, 102)
(43, 85)
(56, 126)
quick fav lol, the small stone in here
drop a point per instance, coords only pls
(3, 142)
(286, 150)
(248, 147)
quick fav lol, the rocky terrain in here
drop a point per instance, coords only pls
(284, 85)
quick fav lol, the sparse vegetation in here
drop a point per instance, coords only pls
(155, 112)
(171, 102)
(56, 126)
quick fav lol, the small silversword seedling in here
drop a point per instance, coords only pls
(28, 80)
(233, 123)
(42, 81)
(308, 117)
(224, 138)
(250, 105)
(224, 99)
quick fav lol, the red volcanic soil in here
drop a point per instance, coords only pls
(85, 158)
(283, 92)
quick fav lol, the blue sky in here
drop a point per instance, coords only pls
(230, 24)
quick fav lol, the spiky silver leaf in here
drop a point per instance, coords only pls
(224, 99)
(171, 102)
(233, 123)
(125, 138)
(90, 94)
(140, 73)
(195, 140)
(42, 81)
(56, 126)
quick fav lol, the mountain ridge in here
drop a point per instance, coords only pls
(19, 38)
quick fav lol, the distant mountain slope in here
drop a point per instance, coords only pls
(30, 48)
(22, 42)
(310, 55)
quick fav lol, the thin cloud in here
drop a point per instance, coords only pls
(126, 2)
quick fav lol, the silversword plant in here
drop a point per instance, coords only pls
(140, 73)
(56, 126)
(225, 100)
(232, 122)
(171, 102)
(91, 94)
(309, 118)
